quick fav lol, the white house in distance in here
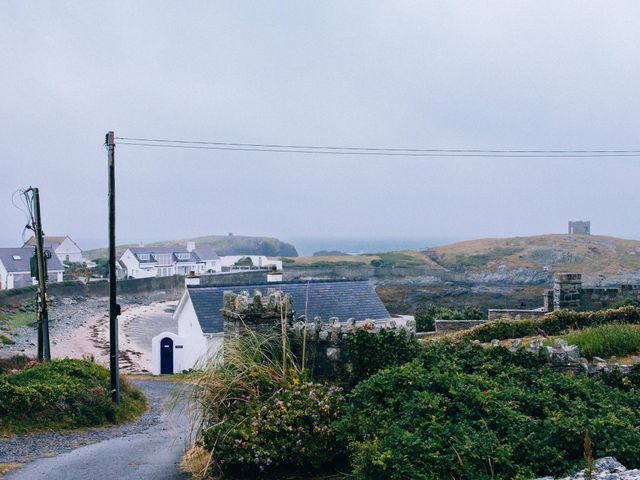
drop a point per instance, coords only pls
(201, 324)
(145, 262)
(15, 268)
(233, 263)
(65, 249)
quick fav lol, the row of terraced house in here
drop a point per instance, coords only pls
(15, 263)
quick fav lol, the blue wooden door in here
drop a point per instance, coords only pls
(166, 356)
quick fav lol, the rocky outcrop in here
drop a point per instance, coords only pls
(607, 468)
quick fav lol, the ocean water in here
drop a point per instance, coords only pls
(307, 246)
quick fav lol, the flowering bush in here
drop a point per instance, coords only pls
(276, 431)
(468, 413)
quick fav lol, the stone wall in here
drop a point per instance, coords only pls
(366, 271)
(450, 326)
(567, 291)
(515, 314)
(128, 287)
(326, 341)
(580, 227)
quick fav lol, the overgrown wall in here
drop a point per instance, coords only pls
(450, 326)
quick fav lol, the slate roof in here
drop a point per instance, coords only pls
(152, 250)
(200, 254)
(206, 252)
(342, 299)
(23, 265)
(50, 241)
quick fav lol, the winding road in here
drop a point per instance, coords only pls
(148, 448)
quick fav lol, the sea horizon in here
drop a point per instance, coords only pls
(307, 246)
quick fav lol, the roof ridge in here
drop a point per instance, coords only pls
(288, 282)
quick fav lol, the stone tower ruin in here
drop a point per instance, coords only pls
(580, 227)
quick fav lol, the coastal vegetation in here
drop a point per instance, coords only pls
(606, 340)
(448, 408)
(557, 323)
(61, 394)
(463, 411)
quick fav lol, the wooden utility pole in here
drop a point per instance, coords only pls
(114, 308)
(42, 310)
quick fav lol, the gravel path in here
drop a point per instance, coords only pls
(149, 447)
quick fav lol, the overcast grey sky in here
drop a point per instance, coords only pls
(477, 74)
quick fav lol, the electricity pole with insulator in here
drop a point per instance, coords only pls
(42, 309)
(114, 308)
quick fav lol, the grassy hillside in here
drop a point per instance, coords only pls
(576, 253)
(401, 259)
(223, 245)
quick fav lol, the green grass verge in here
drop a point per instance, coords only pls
(401, 260)
(606, 340)
(63, 394)
(560, 322)
(14, 320)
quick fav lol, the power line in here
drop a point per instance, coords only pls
(317, 147)
(364, 151)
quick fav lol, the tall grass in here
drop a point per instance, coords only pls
(248, 362)
(606, 340)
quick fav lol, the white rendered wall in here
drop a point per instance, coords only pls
(133, 266)
(179, 347)
(68, 248)
(260, 261)
(4, 278)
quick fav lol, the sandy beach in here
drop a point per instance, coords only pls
(80, 328)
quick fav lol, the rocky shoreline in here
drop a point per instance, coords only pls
(79, 327)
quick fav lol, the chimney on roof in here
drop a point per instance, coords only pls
(274, 275)
(191, 279)
(191, 246)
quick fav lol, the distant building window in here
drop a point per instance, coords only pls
(17, 257)
(144, 256)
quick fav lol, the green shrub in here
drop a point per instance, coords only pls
(277, 432)
(555, 323)
(468, 413)
(606, 340)
(634, 375)
(627, 302)
(258, 413)
(63, 394)
(369, 352)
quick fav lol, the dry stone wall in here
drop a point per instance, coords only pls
(326, 339)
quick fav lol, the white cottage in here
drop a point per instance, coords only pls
(15, 268)
(233, 263)
(144, 262)
(65, 249)
(201, 324)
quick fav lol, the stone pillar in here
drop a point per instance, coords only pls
(567, 291)
(548, 300)
(258, 312)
